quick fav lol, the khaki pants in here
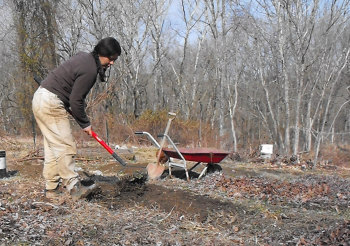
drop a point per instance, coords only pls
(59, 145)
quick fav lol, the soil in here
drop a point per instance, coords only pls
(127, 193)
(236, 203)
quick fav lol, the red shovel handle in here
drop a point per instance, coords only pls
(120, 160)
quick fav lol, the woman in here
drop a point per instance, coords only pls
(65, 89)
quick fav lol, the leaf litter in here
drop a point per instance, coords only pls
(223, 208)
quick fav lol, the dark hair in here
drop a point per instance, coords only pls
(106, 47)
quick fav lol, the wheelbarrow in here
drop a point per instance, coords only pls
(202, 156)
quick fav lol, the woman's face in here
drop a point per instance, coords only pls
(107, 61)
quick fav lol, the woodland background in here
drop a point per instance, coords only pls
(237, 73)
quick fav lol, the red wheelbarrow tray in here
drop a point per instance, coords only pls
(206, 155)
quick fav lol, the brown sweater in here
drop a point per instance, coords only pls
(71, 82)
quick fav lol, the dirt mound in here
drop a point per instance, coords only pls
(116, 193)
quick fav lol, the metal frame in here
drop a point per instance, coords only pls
(150, 137)
(182, 164)
(171, 162)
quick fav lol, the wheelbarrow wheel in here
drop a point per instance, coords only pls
(213, 168)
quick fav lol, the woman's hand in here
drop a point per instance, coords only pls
(88, 130)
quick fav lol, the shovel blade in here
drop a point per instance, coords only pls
(154, 171)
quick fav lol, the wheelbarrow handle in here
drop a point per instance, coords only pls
(109, 149)
(149, 136)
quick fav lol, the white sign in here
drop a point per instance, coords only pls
(2, 163)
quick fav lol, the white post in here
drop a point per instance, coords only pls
(266, 151)
(3, 164)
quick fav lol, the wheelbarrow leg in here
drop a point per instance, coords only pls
(187, 176)
(171, 176)
(195, 166)
(203, 172)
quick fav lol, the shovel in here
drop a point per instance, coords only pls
(155, 170)
(120, 160)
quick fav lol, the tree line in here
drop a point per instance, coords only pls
(274, 71)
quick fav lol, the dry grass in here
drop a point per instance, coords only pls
(258, 203)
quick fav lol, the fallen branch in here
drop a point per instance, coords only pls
(30, 159)
(167, 215)
(42, 158)
(46, 204)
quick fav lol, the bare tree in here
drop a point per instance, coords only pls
(159, 50)
(35, 28)
(293, 48)
(7, 88)
(256, 71)
(71, 31)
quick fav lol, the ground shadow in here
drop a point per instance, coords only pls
(181, 174)
(8, 174)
